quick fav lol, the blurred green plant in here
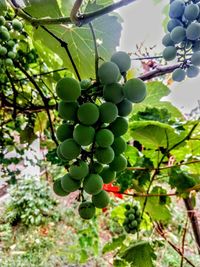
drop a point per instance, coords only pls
(31, 203)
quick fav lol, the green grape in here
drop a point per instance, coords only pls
(119, 163)
(9, 62)
(127, 207)
(113, 93)
(68, 89)
(167, 40)
(135, 208)
(2, 21)
(70, 149)
(137, 213)
(169, 53)
(119, 126)
(131, 216)
(79, 170)
(4, 35)
(101, 200)
(88, 113)
(3, 51)
(193, 31)
(10, 43)
(124, 108)
(108, 73)
(60, 155)
(134, 224)
(192, 71)
(135, 90)
(122, 60)
(104, 155)
(104, 138)
(96, 167)
(68, 184)
(58, 190)
(108, 175)
(17, 25)
(68, 110)
(86, 210)
(191, 12)
(119, 145)
(64, 131)
(85, 84)
(178, 34)
(195, 59)
(93, 184)
(11, 55)
(178, 75)
(108, 112)
(84, 135)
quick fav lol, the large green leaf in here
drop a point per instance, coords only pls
(156, 207)
(140, 254)
(80, 43)
(155, 92)
(154, 134)
(116, 242)
(2, 6)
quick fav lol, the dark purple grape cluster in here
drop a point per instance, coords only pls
(133, 219)
(183, 38)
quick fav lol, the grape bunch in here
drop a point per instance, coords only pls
(94, 120)
(183, 38)
(8, 39)
(133, 218)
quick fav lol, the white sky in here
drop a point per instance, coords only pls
(143, 23)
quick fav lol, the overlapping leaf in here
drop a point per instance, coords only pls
(80, 43)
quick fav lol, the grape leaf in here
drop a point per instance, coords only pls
(181, 180)
(155, 206)
(79, 39)
(154, 114)
(27, 135)
(155, 92)
(140, 254)
(2, 7)
(40, 122)
(154, 134)
(115, 243)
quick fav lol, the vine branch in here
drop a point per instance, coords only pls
(44, 99)
(73, 19)
(158, 71)
(160, 231)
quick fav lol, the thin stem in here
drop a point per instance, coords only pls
(141, 194)
(65, 46)
(146, 58)
(185, 138)
(183, 242)
(96, 52)
(44, 99)
(160, 231)
(163, 168)
(15, 93)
